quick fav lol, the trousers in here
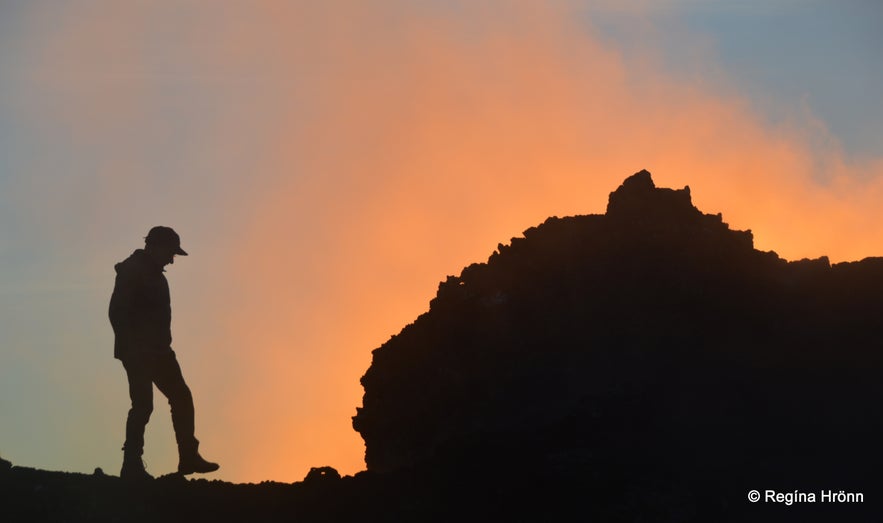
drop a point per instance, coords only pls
(160, 369)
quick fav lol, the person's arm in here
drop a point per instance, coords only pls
(122, 310)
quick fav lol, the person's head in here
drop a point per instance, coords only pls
(163, 243)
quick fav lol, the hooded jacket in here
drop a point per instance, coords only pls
(140, 308)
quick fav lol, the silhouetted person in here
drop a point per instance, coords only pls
(141, 315)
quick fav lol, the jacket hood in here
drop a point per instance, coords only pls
(138, 260)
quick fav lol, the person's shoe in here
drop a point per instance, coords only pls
(195, 463)
(133, 469)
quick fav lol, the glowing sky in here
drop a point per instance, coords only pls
(328, 163)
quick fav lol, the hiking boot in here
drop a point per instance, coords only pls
(193, 462)
(133, 469)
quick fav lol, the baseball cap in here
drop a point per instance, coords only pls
(161, 235)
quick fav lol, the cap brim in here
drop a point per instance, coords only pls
(180, 252)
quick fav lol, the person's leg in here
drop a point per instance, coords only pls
(141, 394)
(138, 372)
(170, 382)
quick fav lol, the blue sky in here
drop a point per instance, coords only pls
(782, 55)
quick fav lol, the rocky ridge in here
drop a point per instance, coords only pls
(652, 341)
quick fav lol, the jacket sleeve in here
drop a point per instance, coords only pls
(122, 313)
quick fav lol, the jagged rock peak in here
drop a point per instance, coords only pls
(638, 195)
(640, 180)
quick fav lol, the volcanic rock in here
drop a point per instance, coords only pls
(652, 344)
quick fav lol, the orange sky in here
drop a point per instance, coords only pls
(378, 150)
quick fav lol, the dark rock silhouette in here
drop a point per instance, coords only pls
(643, 365)
(652, 344)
